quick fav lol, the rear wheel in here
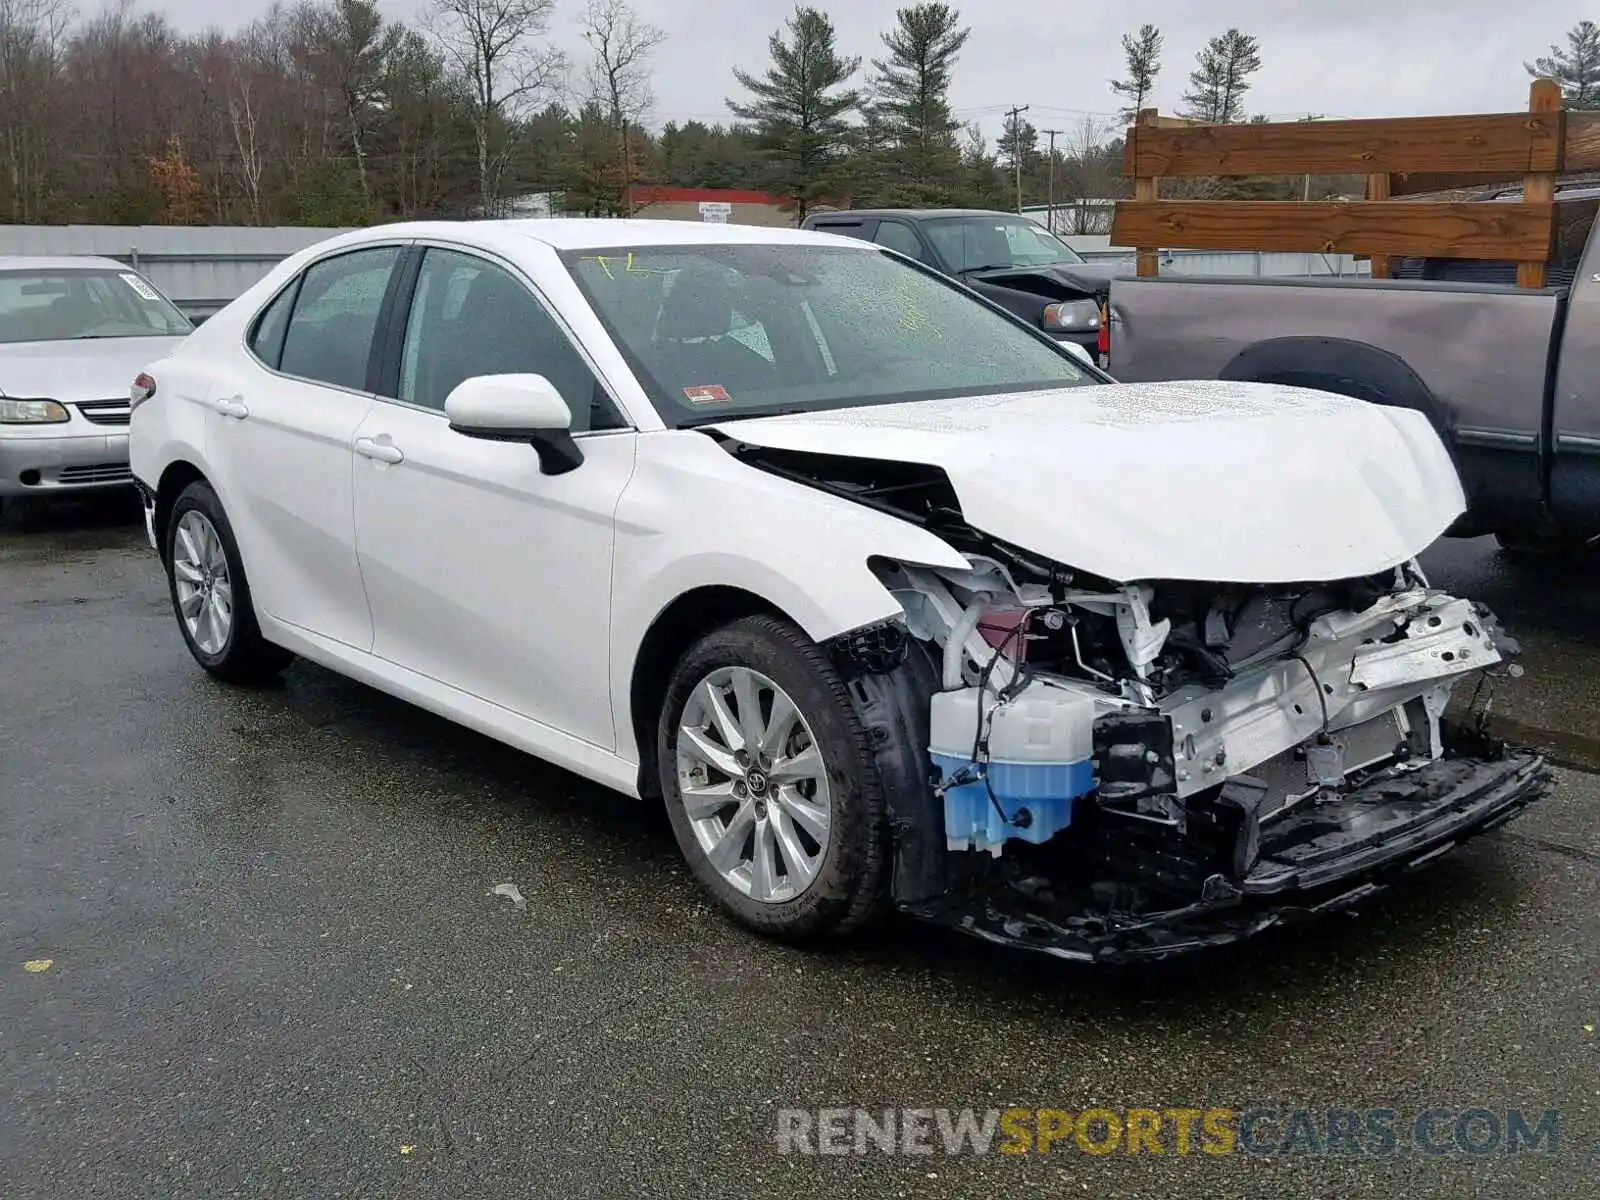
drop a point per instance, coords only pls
(769, 782)
(210, 594)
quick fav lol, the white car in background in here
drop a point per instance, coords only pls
(888, 597)
(73, 332)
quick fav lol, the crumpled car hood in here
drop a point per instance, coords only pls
(1232, 482)
(1092, 279)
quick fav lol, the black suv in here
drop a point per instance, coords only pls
(1014, 261)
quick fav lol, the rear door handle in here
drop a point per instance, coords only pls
(384, 452)
(230, 406)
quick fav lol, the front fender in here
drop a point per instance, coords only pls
(693, 517)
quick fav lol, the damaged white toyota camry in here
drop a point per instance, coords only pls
(888, 597)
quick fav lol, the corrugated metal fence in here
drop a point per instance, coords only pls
(200, 268)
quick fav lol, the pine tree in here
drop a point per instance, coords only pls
(873, 177)
(912, 87)
(798, 108)
(1143, 52)
(985, 182)
(1018, 146)
(1018, 137)
(1221, 78)
(1576, 69)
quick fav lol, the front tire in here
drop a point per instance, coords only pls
(210, 594)
(770, 783)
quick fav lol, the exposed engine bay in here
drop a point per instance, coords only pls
(1110, 770)
(1170, 690)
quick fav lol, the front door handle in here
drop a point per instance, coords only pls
(230, 406)
(384, 452)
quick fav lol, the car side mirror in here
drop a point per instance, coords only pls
(516, 408)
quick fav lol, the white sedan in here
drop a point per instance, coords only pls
(887, 597)
(73, 330)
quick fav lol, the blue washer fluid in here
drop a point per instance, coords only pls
(1040, 742)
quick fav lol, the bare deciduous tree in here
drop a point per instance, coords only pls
(31, 33)
(618, 76)
(1093, 174)
(243, 119)
(494, 44)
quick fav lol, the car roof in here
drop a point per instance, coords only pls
(926, 214)
(59, 262)
(596, 233)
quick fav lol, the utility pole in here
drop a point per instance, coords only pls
(1050, 218)
(1014, 116)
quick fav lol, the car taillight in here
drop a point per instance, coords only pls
(1104, 345)
(144, 386)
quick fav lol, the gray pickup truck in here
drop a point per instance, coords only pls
(1509, 376)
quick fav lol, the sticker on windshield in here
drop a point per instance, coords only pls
(139, 286)
(707, 393)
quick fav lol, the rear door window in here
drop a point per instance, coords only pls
(329, 336)
(266, 339)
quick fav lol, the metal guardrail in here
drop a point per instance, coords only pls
(1245, 262)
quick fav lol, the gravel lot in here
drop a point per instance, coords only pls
(277, 968)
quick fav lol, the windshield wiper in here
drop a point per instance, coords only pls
(988, 267)
(792, 410)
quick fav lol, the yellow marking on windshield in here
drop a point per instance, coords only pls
(641, 269)
(630, 266)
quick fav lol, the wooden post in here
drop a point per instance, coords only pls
(1146, 189)
(1378, 187)
(1539, 187)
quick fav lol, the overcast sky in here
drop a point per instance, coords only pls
(1333, 57)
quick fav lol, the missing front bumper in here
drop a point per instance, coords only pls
(1315, 860)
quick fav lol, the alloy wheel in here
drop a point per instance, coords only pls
(753, 783)
(204, 587)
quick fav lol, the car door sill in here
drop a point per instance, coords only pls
(540, 740)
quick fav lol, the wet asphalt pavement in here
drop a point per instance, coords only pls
(276, 967)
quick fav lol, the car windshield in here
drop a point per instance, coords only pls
(715, 331)
(63, 305)
(979, 243)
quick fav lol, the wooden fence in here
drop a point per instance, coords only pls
(1399, 157)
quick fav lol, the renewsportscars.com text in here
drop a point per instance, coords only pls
(1371, 1132)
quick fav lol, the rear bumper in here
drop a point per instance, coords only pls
(147, 500)
(1313, 861)
(45, 464)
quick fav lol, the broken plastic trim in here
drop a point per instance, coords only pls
(1385, 828)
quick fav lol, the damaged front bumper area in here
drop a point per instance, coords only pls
(1127, 772)
(1316, 860)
